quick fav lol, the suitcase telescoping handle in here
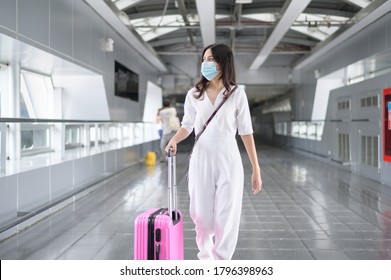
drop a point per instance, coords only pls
(172, 188)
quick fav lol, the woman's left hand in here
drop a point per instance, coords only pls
(256, 182)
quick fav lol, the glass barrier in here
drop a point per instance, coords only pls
(35, 138)
(45, 136)
(312, 130)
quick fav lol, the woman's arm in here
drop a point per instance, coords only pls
(249, 144)
(180, 135)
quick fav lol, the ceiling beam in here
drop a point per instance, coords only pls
(364, 18)
(237, 18)
(206, 14)
(291, 10)
(182, 9)
(146, 51)
(245, 11)
(246, 52)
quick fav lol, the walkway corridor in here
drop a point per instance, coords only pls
(307, 210)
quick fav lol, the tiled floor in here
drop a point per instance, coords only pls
(307, 210)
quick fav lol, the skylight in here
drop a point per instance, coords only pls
(153, 27)
(317, 26)
(123, 4)
(360, 3)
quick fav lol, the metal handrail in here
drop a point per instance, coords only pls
(30, 120)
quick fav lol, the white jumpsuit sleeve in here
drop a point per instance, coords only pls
(243, 114)
(189, 112)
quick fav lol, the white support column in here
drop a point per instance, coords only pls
(14, 136)
(62, 135)
(4, 74)
(106, 133)
(58, 129)
(86, 135)
(4, 89)
(120, 134)
(96, 136)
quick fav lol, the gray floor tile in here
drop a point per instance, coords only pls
(286, 244)
(259, 244)
(317, 234)
(256, 254)
(282, 234)
(190, 254)
(368, 255)
(118, 247)
(296, 254)
(329, 254)
(87, 247)
(355, 245)
(321, 244)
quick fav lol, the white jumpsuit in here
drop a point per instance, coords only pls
(216, 171)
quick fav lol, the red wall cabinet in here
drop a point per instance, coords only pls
(386, 124)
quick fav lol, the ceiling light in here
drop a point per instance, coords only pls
(109, 45)
(124, 18)
(243, 1)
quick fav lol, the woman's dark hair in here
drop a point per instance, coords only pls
(222, 54)
(166, 103)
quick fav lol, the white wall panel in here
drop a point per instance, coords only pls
(388, 34)
(82, 32)
(127, 156)
(61, 26)
(378, 36)
(33, 20)
(33, 189)
(8, 14)
(97, 165)
(61, 179)
(83, 97)
(110, 163)
(97, 41)
(8, 198)
(81, 171)
(385, 177)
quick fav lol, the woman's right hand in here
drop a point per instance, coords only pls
(171, 144)
(181, 134)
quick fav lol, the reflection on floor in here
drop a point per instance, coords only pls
(307, 210)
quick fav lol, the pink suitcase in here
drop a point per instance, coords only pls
(158, 232)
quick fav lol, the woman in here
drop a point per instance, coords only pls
(216, 171)
(170, 124)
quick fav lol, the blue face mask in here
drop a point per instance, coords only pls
(208, 70)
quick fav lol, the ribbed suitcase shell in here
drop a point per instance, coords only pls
(171, 243)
